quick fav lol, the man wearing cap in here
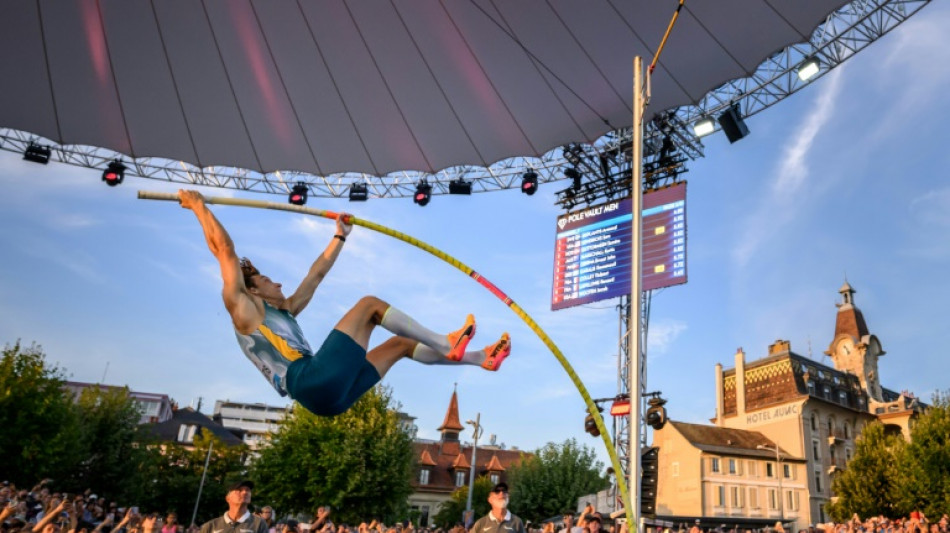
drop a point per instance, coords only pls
(499, 519)
(238, 519)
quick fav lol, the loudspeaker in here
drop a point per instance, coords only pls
(732, 124)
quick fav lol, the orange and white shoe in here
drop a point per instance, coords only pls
(459, 339)
(496, 353)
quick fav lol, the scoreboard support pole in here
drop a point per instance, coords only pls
(634, 326)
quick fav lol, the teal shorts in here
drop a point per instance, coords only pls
(330, 381)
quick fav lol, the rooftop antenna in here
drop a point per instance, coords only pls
(104, 372)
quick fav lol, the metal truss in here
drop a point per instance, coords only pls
(622, 423)
(844, 33)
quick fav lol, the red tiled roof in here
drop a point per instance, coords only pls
(494, 465)
(461, 462)
(850, 320)
(451, 421)
(426, 459)
(442, 479)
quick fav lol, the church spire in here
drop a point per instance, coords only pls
(451, 426)
(850, 320)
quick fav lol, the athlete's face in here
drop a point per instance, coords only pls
(266, 288)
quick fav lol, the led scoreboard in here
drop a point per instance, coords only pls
(592, 253)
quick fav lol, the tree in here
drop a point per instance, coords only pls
(451, 511)
(358, 462)
(866, 486)
(549, 482)
(108, 421)
(40, 432)
(924, 480)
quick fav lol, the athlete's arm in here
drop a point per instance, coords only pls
(301, 297)
(246, 311)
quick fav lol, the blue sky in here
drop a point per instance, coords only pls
(845, 178)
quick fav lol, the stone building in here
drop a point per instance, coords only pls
(788, 423)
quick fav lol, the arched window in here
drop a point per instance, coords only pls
(847, 430)
(814, 422)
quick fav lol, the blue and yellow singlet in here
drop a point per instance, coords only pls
(276, 343)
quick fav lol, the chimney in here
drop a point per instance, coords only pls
(740, 382)
(780, 347)
(720, 405)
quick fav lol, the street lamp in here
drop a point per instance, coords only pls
(778, 473)
(471, 473)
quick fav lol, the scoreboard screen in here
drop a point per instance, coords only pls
(592, 253)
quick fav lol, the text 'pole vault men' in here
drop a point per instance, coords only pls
(327, 381)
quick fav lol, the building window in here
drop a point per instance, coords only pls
(676, 469)
(736, 496)
(811, 387)
(814, 422)
(826, 390)
(720, 496)
(773, 499)
(750, 465)
(815, 451)
(424, 476)
(843, 397)
(847, 430)
(831, 454)
(788, 471)
(847, 454)
(186, 433)
(753, 497)
(733, 469)
(714, 464)
(494, 478)
(817, 480)
(831, 426)
(459, 478)
(769, 469)
(791, 500)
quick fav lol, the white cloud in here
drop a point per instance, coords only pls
(790, 176)
(662, 334)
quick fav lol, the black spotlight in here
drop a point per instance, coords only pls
(114, 173)
(732, 124)
(358, 192)
(460, 186)
(529, 182)
(298, 195)
(37, 153)
(576, 176)
(423, 193)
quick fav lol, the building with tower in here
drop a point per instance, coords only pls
(785, 425)
(442, 466)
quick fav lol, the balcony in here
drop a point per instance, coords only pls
(836, 467)
(835, 437)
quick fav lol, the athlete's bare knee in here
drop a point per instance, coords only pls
(373, 307)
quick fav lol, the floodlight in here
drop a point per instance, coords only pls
(704, 127)
(358, 192)
(298, 195)
(460, 186)
(114, 173)
(529, 182)
(732, 124)
(37, 153)
(423, 193)
(574, 175)
(809, 67)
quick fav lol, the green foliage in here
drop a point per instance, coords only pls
(451, 511)
(551, 481)
(172, 474)
(40, 429)
(924, 483)
(865, 486)
(359, 463)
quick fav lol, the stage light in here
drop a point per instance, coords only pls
(114, 173)
(704, 127)
(358, 192)
(576, 176)
(298, 195)
(529, 182)
(460, 186)
(423, 193)
(37, 153)
(809, 67)
(732, 124)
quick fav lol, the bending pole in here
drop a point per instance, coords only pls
(591, 407)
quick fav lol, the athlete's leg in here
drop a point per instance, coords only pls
(370, 311)
(384, 356)
(489, 358)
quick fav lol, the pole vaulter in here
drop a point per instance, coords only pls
(352, 220)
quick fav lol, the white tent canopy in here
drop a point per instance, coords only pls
(370, 86)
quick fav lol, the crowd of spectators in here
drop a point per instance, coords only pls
(43, 510)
